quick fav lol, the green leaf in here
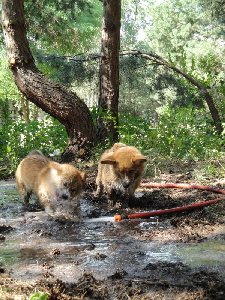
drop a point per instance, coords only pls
(39, 296)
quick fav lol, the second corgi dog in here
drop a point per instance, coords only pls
(54, 184)
(119, 173)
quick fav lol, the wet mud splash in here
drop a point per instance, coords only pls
(98, 258)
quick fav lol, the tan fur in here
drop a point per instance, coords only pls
(54, 184)
(119, 172)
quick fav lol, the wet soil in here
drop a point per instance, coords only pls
(178, 256)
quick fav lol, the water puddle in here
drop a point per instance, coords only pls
(9, 198)
(210, 254)
(98, 251)
(38, 247)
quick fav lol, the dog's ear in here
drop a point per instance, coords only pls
(139, 159)
(108, 159)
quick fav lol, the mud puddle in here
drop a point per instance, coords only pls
(102, 248)
(37, 246)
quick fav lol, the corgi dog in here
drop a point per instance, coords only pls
(120, 171)
(56, 185)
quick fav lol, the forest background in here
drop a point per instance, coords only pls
(160, 111)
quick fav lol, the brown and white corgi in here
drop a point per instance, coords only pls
(56, 185)
(120, 170)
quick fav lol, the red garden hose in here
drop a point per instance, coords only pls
(176, 209)
(182, 186)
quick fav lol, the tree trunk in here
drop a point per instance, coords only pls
(213, 110)
(54, 99)
(109, 73)
(35, 112)
(25, 109)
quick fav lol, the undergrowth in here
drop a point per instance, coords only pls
(184, 134)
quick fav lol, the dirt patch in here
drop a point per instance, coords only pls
(177, 256)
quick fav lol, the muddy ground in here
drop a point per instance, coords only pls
(178, 256)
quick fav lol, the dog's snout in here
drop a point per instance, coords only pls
(64, 196)
(126, 183)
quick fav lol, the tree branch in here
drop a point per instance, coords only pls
(158, 59)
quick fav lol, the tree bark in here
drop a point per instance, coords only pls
(109, 72)
(35, 112)
(25, 109)
(212, 108)
(54, 99)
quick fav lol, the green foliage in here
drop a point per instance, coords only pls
(69, 71)
(107, 117)
(18, 138)
(184, 133)
(209, 171)
(180, 31)
(39, 296)
(8, 89)
(4, 104)
(70, 26)
(217, 8)
(185, 34)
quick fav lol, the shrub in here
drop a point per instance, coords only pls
(185, 133)
(18, 138)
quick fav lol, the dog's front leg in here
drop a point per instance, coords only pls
(113, 196)
(26, 197)
(47, 201)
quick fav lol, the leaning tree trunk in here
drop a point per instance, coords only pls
(51, 97)
(109, 72)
